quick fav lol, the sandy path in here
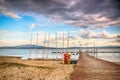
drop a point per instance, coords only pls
(89, 68)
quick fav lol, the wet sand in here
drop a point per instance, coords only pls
(12, 68)
(90, 68)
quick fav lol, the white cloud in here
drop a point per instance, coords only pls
(12, 34)
(102, 35)
(106, 35)
(71, 3)
(9, 13)
(91, 34)
(102, 19)
(87, 34)
(32, 26)
(13, 42)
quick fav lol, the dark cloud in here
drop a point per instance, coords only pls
(101, 6)
(82, 13)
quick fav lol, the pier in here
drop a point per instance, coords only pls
(90, 68)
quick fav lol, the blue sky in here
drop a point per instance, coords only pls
(23, 24)
(17, 22)
(11, 24)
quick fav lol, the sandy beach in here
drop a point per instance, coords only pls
(14, 68)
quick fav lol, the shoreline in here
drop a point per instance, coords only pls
(118, 62)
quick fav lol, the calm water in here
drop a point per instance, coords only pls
(50, 53)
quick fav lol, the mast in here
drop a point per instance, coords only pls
(31, 44)
(80, 47)
(63, 46)
(94, 49)
(63, 40)
(87, 48)
(48, 44)
(96, 52)
(68, 42)
(56, 44)
(44, 46)
(37, 46)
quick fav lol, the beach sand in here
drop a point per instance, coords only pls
(14, 68)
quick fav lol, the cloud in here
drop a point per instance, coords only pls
(10, 34)
(106, 35)
(8, 13)
(32, 26)
(8, 38)
(81, 13)
(101, 35)
(87, 34)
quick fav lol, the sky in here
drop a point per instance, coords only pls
(88, 22)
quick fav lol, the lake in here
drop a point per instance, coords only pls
(57, 53)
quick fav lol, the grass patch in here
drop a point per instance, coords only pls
(11, 64)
